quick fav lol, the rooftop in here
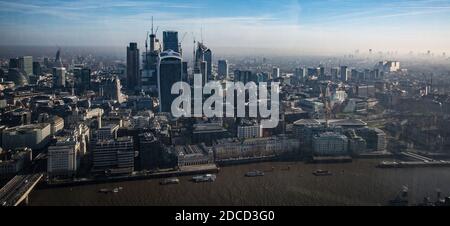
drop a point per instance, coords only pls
(26, 128)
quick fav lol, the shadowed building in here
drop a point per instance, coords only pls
(170, 69)
(132, 66)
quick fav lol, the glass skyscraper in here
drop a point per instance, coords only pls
(170, 71)
(132, 66)
(170, 41)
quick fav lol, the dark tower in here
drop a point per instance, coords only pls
(132, 66)
(170, 41)
(170, 71)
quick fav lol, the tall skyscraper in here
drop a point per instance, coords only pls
(58, 61)
(208, 59)
(245, 76)
(82, 78)
(149, 78)
(170, 71)
(13, 63)
(23, 64)
(203, 58)
(132, 67)
(300, 73)
(37, 70)
(59, 77)
(322, 72)
(275, 73)
(335, 73)
(223, 68)
(170, 41)
(345, 73)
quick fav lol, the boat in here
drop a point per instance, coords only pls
(401, 199)
(204, 178)
(170, 181)
(116, 190)
(322, 173)
(104, 190)
(255, 173)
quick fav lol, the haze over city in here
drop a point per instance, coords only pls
(289, 27)
(224, 103)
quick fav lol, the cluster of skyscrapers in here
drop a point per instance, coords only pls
(163, 65)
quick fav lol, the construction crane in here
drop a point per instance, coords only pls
(184, 36)
(325, 98)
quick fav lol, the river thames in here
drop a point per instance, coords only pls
(284, 183)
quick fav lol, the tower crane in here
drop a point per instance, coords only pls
(325, 98)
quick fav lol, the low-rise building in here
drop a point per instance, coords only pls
(375, 138)
(249, 130)
(330, 144)
(34, 136)
(13, 161)
(56, 124)
(189, 155)
(234, 149)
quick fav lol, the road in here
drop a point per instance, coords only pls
(16, 190)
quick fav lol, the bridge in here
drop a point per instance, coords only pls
(417, 157)
(17, 189)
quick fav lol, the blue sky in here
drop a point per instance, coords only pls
(287, 25)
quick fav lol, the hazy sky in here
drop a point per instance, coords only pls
(293, 26)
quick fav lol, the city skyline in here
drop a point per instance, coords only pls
(314, 27)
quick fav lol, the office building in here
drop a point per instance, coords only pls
(189, 155)
(245, 76)
(365, 91)
(149, 151)
(170, 41)
(275, 72)
(203, 62)
(26, 65)
(14, 63)
(322, 75)
(330, 144)
(133, 67)
(254, 148)
(82, 78)
(59, 77)
(335, 73)
(110, 89)
(313, 106)
(209, 66)
(374, 137)
(345, 73)
(249, 129)
(113, 156)
(34, 136)
(56, 124)
(108, 132)
(170, 69)
(17, 76)
(223, 69)
(63, 157)
(313, 72)
(149, 80)
(37, 69)
(388, 66)
(300, 73)
(208, 132)
(13, 161)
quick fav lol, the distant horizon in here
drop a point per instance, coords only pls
(17, 50)
(284, 26)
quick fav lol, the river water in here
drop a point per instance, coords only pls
(289, 183)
